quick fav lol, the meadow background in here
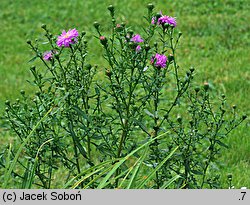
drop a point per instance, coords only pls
(216, 42)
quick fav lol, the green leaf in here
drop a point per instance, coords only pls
(221, 144)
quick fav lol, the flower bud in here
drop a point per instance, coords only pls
(230, 176)
(103, 40)
(191, 69)
(170, 57)
(96, 25)
(244, 117)
(147, 47)
(83, 33)
(88, 66)
(108, 73)
(28, 42)
(7, 102)
(118, 28)
(150, 7)
(206, 86)
(33, 68)
(111, 8)
(234, 107)
(197, 89)
(223, 96)
(158, 15)
(179, 118)
(57, 56)
(180, 34)
(123, 24)
(43, 26)
(22, 92)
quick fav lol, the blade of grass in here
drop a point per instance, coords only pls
(136, 170)
(8, 160)
(156, 169)
(122, 160)
(32, 173)
(98, 177)
(85, 177)
(169, 182)
(86, 171)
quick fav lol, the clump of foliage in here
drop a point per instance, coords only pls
(145, 125)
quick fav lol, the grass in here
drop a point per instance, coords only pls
(215, 41)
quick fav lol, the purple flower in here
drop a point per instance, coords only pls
(159, 60)
(138, 48)
(67, 38)
(153, 21)
(167, 20)
(48, 55)
(136, 39)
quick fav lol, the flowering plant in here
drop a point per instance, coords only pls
(144, 126)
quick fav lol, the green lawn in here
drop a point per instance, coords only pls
(216, 41)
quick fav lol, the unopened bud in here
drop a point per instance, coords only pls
(180, 34)
(57, 56)
(33, 68)
(88, 66)
(244, 117)
(111, 8)
(197, 89)
(108, 73)
(230, 176)
(150, 7)
(7, 102)
(170, 57)
(28, 42)
(103, 40)
(96, 25)
(43, 26)
(118, 28)
(22, 92)
(158, 15)
(206, 86)
(234, 107)
(179, 118)
(83, 33)
(147, 47)
(191, 69)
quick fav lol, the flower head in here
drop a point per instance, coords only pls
(159, 60)
(103, 40)
(138, 48)
(153, 21)
(47, 55)
(167, 20)
(163, 19)
(67, 38)
(136, 39)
